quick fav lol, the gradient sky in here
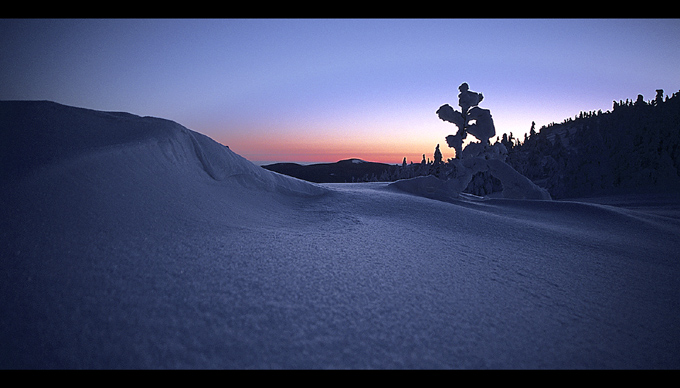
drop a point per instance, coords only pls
(308, 90)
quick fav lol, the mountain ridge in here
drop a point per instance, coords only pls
(342, 171)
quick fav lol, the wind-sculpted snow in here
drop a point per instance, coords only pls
(39, 133)
(167, 250)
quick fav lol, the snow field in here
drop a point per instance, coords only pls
(163, 249)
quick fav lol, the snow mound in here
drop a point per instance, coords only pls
(515, 185)
(427, 186)
(37, 134)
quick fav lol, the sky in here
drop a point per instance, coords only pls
(323, 90)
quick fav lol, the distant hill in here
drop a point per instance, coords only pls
(344, 171)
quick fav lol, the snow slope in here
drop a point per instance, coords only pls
(133, 242)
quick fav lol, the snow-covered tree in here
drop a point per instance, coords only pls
(479, 161)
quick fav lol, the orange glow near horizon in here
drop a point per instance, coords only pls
(311, 151)
(374, 133)
(375, 145)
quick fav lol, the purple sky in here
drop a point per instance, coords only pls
(324, 90)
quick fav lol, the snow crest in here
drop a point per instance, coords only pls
(37, 134)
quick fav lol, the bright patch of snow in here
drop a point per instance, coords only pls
(133, 242)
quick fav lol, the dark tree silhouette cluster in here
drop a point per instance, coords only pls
(633, 147)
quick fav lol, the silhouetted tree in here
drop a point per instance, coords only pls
(659, 96)
(437, 155)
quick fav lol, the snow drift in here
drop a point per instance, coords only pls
(133, 242)
(42, 133)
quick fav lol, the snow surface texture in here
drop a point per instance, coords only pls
(133, 242)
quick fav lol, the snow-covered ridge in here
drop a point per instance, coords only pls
(40, 133)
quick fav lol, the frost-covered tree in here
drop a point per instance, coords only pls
(482, 129)
(478, 162)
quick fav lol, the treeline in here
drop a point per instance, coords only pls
(395, 172)
(634, 146)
